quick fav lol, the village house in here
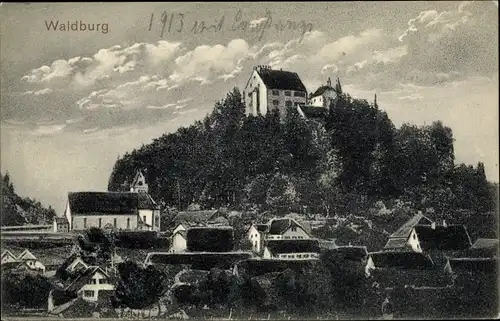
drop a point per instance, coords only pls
(90, 283)
(404, 238)
(31, 261)
(286, 229)
(78, 264)
(256, 234)
(305, 249)
(267, 90)
(61, 225)
(8, 257)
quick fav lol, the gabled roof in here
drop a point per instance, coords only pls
(281, 225)
(313, 111)
(194, 217)
(26, 255)
(451, 237)
(401, 260)
(279, 79)
(321, 90)
(109, 202)
(485, 244)
(407, 227)
(84, 278)
(181, 232)
(396, 243)
(8, 253)
(262, 228)
(293, 246)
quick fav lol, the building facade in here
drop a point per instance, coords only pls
(267, 90)
(323, 96)
(286, 229)
(90, 283)
(121, 210)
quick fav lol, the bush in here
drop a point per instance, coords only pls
(141, 240)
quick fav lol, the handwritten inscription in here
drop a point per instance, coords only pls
(170, 22)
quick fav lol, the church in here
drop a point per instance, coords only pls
(132, 210)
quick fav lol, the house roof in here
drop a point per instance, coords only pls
(321, 90)
(313, 111)
(353, 253)
(293, 246)
(181, 232)
(396, 243)
(279, 79)
(407, 227)
(194, 217)
(473, 264)
(109, 202)
(84, 278)
(404, 260)
(26, 255)
(281, 225)
(7, 252)
(485, 244)
(262, 227)
(451, 237)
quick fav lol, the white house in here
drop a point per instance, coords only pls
(179, 241)
(90, 283)
(324, 95)
(31, 261)
(292, 249)
(269, 89)
(405, 238)
(8, 257)
(256, 235)
(286, 229)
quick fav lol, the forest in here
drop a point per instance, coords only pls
(279, 164)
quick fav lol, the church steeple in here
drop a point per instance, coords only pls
(139, 184)
(375, 102)
(338, 87)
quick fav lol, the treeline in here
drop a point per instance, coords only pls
(17, 210)
(280, 164)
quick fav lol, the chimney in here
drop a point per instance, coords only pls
(444, 223)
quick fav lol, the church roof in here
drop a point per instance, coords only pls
(279, 79)
(138, 176)
(99, 203)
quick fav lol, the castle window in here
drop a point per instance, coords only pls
(288, 103)
(276, 102)
(288, 93)
(276, 92)
(299, 94)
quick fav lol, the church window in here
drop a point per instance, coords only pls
(100, 222)
(128, 222)
(140, 183)
(114, 222)
(85, 222)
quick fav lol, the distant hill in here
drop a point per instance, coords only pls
(17, 210)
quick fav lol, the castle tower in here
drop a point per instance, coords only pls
(139, 184)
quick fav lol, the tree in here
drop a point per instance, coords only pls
(140, 287)
(281, 196)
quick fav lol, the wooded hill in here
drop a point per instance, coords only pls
(17, 210)
(344, 166)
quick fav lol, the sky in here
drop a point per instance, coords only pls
(73, 101)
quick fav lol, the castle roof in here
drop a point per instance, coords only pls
(279, 79)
